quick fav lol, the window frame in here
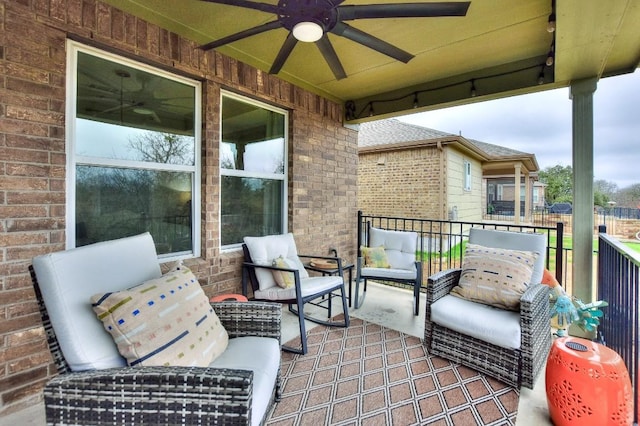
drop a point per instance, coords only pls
(467, 175)
(284, 177)
(74, 160)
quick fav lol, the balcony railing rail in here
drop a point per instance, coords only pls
(619, 284)
(441, 242)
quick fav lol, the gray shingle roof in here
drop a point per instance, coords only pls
(497, 150)
(392, 131)
(386, 132)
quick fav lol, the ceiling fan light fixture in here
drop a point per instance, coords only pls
(308, 31)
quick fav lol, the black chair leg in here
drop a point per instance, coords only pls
(345, 308)
(360, 300)
(303, 334)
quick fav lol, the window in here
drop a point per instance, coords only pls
(133, 143)
(467, 175)
(536, 195)
(253, 169)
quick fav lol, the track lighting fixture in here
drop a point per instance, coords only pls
(413, 98)
(550, 56)
(551, 24)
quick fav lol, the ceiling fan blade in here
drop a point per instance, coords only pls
(120, 107)
(330, 55)
(283, 54)
(264, 7)
(242, 34)
(402, 10)
(372, 42)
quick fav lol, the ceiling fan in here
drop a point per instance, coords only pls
(311, 20)
(118, 91)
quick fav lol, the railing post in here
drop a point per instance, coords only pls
(559, 251)
(359, 233)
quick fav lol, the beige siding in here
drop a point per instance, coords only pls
(468, 204)
(403, 183)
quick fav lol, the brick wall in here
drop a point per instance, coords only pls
(322, 160)
(404, 183)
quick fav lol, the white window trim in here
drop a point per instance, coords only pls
(73, 48)
(467, 175)
(242, 173)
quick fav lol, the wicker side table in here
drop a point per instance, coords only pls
(587, 384)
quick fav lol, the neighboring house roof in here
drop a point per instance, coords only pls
(392, 134)
(387, 132)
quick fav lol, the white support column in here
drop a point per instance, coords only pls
(582, 105)
(517, 179)
(528, 195)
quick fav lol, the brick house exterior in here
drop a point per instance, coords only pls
(412, 171)
(322, 160)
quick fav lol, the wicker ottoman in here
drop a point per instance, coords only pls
(587, 384)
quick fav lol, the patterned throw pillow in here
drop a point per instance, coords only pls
(375, 257)
(167, 321)
(493, 276)
(283, 279)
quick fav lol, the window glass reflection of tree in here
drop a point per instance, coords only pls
(136, 152)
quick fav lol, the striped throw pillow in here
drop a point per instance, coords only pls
(494, 276)
(167, 321)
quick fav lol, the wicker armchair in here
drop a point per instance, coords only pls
(515, 366)
(163, 395)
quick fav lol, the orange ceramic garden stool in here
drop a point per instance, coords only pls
(587, 384)
(230, 297)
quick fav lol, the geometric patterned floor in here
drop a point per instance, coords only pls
(370, 375)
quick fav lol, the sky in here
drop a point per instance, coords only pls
(540, 124)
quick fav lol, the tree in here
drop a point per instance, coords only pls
(166, 148)
(629, 196)
(559, 184)
(603, 192)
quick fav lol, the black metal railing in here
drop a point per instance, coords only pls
(618, 284)
(441, 243)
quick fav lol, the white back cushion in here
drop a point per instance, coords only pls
(400, 246)
(514, 241)
(263, 250)
(69, 278)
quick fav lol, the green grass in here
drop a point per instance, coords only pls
(454, 253)
(633, 246)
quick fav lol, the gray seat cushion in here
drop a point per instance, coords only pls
(260, 355)
(500, 327)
